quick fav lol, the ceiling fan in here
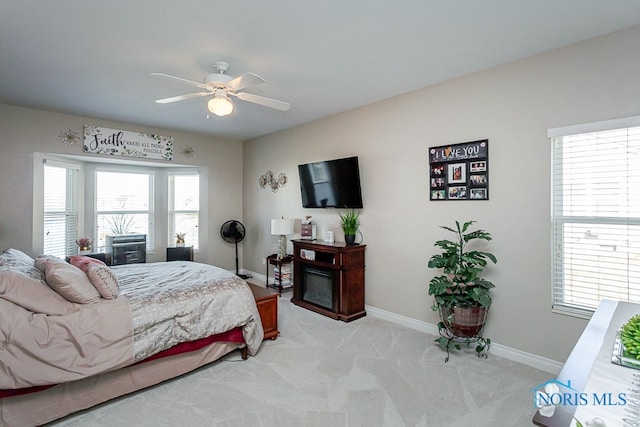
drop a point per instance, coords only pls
(223, 86)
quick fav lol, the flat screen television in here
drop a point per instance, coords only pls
(331, 184)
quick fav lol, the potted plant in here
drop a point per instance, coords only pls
(180, 239)
(120, 224)
(84, 245)
(462, 297)
(350, 222)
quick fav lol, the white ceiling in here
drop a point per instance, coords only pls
(94, 58)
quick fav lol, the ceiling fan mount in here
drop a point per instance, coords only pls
(221, 86)
(218, 79)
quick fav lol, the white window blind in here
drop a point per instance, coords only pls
(184, 207)
(61, 216)
(124, 204)
(595, 216)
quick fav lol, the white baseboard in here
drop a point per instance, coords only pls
(551, 366)
(257, 277)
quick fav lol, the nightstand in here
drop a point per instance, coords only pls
(282, 274)
(99, 256)
(183, 253)
(267, 303)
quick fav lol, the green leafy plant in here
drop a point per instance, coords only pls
(350, 222)
(460, 285)
(630, 336)
(180, 237)
(120, 223)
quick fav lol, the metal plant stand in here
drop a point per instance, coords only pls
(459, 325)
(448, 339)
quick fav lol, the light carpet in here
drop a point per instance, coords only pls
(322, 372)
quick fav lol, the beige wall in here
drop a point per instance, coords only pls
(25, 131)
(511, 105)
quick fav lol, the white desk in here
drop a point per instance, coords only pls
(590, 370)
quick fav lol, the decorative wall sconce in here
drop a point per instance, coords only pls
(268, 179)
(187, 151)
(69, 137)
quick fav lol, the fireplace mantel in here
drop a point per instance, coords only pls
(340, 268)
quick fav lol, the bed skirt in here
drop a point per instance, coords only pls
(58, 401)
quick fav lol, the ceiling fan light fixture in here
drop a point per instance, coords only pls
(220, 105)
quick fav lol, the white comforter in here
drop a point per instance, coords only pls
(174, 302)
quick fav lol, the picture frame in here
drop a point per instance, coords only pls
(457, 193)
(478, 180)
(438, 194)
(480, 166)
(456, 173)
(459, 171)
(478, 193)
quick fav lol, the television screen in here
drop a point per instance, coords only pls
(332, 183)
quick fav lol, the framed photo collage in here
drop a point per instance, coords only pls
(459, 171)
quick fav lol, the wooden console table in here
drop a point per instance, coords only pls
(328, 278)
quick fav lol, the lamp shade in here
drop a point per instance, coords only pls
(220, 105)
(281, 226)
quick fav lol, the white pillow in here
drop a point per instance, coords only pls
(70, 282)
(103, 280)
(15, 257)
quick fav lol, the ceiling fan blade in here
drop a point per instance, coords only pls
(189, 82)
(182, 97)
(267, 102)
(244, 80)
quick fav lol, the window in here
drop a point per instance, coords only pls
(124, 204)
(95, 199)
(595, 214)
(61, 208)
(184, 207)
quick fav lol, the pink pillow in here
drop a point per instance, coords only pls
(70, 282)
(83, 262)
(32, 295)
(41, 260)
(103, 279)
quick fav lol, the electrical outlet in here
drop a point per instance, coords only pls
(264, 261)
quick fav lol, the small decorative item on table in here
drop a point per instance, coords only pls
(626, 349)
(84, 245)
(307, 229)
(180, 239)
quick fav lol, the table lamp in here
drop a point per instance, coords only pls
(282, 227)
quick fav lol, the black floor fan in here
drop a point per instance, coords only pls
(232, 231)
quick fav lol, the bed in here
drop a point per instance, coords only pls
(79, 333)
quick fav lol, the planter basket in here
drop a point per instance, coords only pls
(464, 322)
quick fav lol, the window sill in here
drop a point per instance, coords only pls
(580, 313)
